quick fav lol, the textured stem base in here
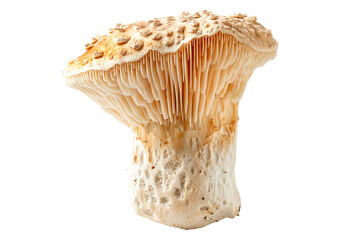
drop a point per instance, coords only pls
(185, 181)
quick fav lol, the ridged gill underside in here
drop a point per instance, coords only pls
(174, 87)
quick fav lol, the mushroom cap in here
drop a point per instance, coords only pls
(173, 69)
(128, 43)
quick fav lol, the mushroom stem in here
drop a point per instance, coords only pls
(183, 177)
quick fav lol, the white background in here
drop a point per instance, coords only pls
(63, 160)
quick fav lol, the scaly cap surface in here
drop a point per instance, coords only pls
(128, 43)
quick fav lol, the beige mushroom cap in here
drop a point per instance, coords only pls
(128, 43)
(171, 67)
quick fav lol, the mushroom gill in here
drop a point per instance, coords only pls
(185, 88)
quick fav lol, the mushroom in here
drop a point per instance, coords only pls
(179, 92)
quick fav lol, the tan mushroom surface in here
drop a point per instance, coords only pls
(177, 81)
